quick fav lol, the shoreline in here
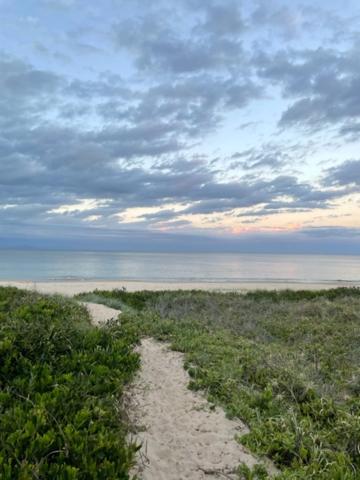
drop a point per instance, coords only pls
(72, 287)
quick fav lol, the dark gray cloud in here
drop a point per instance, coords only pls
(223, 19)
(107, 87)
(345, 174)
(20, 80)
(36, 165)
(159, 46)
(324, 83)
(351, 130)
(25, 92)
(152, 123)
(195, 105)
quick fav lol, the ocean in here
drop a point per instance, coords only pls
(177, 267)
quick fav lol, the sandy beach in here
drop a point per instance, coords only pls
(70, 288)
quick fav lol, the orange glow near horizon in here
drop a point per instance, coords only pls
(345, 212)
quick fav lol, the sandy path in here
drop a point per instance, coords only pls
(100, 313)
(183, 438)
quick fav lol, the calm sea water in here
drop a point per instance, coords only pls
(56, 265)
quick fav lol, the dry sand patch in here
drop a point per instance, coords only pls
(182, 438)
(100, 313)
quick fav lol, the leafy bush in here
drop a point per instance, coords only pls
(61, 381)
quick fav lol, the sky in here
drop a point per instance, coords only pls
(187, 125)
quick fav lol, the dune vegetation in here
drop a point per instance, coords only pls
(287, 363)
(61, 383)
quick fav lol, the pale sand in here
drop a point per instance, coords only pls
(73, 287)
(181, 437)
(100, 313)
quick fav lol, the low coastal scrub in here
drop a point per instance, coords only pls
(61, 381)
(287, 363)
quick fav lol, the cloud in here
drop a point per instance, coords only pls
(17, 80)
(324, 83)
(267, 157)
(222, 20)
(83, 205)
(63, 160)
(138, 127)
(194, 105)
(348, 173)
(92, 218)
(89, 168)
(159, 47)
(289, 21)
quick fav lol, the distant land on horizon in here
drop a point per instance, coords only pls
(316, 243)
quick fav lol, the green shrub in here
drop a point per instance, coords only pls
(61, 380)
